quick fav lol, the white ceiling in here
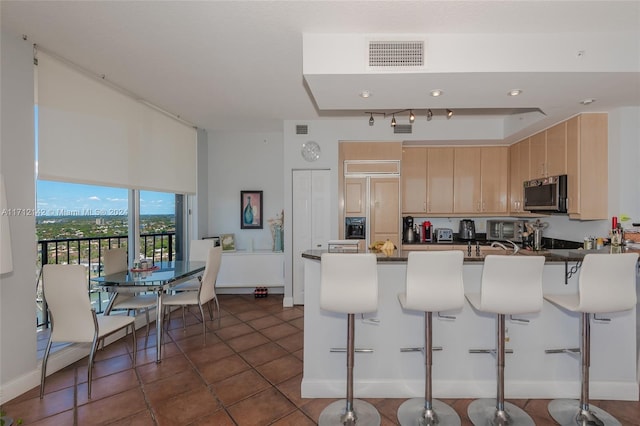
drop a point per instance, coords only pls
(238, 65)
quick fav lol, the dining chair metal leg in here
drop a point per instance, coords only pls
(43, 372)
(184, 322)
(204, 324)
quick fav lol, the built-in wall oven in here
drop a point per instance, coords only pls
(355, 228)
(505, 230)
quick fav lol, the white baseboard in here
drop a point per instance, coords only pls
(247, 290)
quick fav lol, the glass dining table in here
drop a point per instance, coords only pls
(159, 279)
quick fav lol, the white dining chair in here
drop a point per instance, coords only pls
(114, 261)
(198, 252)
(73, 319)
(205, 294)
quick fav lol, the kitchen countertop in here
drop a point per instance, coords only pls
(551, 256)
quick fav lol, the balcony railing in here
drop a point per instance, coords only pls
(89, 252)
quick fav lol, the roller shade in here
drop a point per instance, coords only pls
(91, 133)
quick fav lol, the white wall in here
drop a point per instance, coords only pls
(17, 154)
(244, 161)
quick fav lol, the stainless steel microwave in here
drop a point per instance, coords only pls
(505, 230)
(546, 195)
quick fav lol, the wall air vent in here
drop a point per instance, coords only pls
(403, 128)
(302, 129)
(396, 54)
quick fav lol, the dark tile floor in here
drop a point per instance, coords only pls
(248, 373)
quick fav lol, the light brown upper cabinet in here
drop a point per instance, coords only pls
(548, 152)
(518, 173)
(467, 197)
(427, 180)
(440, 180)
(355, 197)
(556, 162)
(494, 161)
(414, 179)
(480, 180)
(587, 170)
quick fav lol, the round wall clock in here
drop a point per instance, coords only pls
(310, 151)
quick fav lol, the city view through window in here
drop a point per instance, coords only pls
(77, 223)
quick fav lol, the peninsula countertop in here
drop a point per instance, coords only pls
(551, 256)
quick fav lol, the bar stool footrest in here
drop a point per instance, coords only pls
(366, 414)
(566, 411)
(411, 412)
(488, 351)
(562, 351)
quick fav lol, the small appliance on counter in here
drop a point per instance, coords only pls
(408, 233)
(426, 232)
(501, 230)
(467, 230)
(444, 235)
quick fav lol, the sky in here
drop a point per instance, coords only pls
(63, 199)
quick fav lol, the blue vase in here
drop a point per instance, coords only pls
(277, 242)
(248, 213)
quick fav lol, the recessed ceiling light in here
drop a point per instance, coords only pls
(365, 94)
(437, 92)
(587, 101)
(514, 92)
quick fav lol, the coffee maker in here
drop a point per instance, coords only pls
(426, 233)
(408, 233)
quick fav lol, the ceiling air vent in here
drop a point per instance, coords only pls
(403, 128)
(302, 129)
(399, 54)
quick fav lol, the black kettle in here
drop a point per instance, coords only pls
(409, 234)
(467, 230)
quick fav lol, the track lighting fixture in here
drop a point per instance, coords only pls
(412, 116)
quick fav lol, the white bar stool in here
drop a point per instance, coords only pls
(434, 283)
(349, 285)
(607, 283)
(510, 285)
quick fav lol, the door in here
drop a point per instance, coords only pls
(440, 180)
(466, 180)
(310, 221)
(414, 180)
(355, 197)
(385, 210)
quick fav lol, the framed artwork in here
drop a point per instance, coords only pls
(251, 209)
(228, 242)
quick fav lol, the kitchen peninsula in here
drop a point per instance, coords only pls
(389, 372)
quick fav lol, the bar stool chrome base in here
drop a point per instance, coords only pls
(568, 412)
(335, 414)
(485, 412)
(413, 413)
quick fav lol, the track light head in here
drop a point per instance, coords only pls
(429, 115)
(449, 114)
(393, 121)
(412, 117)
(371, 120)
